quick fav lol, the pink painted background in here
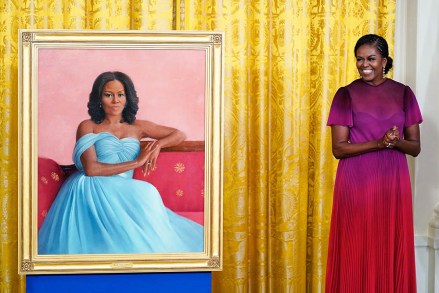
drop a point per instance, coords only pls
(170, 85)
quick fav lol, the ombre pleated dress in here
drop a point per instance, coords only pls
(371, 243)
(113, 214)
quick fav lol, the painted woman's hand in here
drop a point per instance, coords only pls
(149, 151)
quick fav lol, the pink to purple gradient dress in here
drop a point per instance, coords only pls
(371, 243)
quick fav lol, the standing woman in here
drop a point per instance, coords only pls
(374, 123)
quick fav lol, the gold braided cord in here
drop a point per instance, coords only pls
(284, 60)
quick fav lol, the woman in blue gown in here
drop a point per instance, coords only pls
(101, 208)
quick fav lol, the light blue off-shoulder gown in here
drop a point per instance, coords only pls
(113, 214)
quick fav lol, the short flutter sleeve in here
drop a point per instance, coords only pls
(341, 109)
(411, 108)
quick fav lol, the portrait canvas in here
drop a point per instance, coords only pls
(178, 81)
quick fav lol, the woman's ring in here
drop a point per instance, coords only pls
(148, 163)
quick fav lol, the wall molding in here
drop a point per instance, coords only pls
(427, 257)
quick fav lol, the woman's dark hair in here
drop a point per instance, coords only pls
(94, 105)
(380, 43)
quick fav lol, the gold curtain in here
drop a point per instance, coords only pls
(284, 60)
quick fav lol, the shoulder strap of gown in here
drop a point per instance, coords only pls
(83, 143)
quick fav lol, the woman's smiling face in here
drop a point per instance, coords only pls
(370, 64)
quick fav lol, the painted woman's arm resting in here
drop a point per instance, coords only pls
(163, 136)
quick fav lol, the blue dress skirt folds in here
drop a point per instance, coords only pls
(113, 214)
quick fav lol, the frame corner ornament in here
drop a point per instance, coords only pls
(216, 38)
(214, 262)
(27, 37)
(27, 265)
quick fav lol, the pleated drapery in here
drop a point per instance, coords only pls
(284, 60)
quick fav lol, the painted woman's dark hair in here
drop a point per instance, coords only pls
(94, 105)
(380, 43)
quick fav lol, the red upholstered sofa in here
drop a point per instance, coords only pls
(179, 178)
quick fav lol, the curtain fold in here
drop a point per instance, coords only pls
(284, 60)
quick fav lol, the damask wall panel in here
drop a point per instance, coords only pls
(10, 20)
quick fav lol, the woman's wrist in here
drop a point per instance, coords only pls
(397, 143)
(136, 163)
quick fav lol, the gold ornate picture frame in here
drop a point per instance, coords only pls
(55, 67)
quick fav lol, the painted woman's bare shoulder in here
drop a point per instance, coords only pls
(86, 126)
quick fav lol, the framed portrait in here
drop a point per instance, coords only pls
(132, 217)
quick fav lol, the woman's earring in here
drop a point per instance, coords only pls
(100, 105)
(384, 72)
